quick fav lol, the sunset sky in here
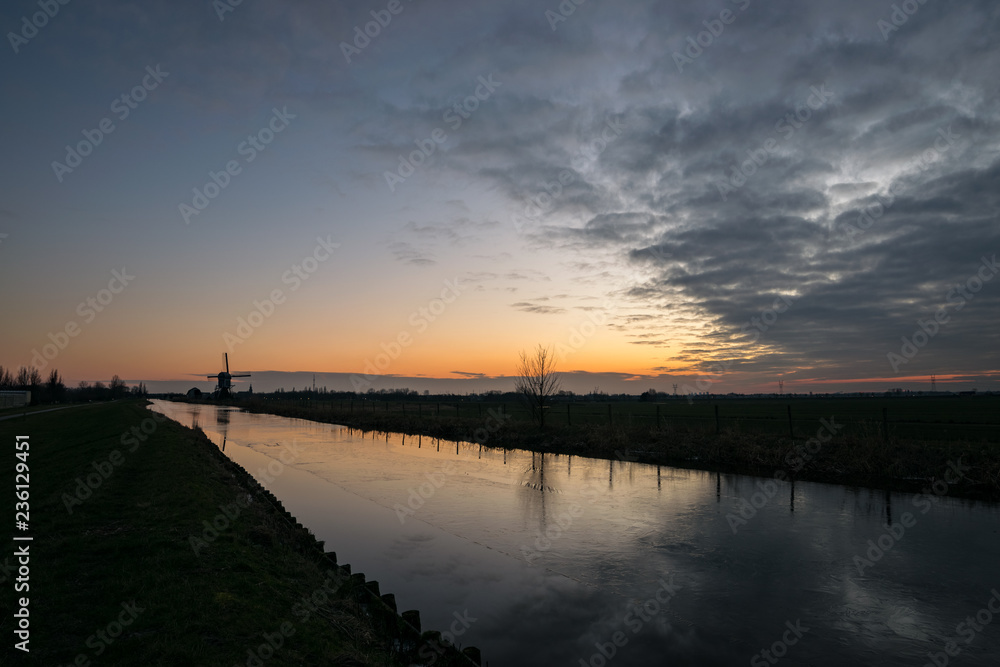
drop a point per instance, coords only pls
(632, 183)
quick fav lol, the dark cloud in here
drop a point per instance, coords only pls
(692, 196)
(409, 254)
(467, 374)
(537, 308)
(838, 117)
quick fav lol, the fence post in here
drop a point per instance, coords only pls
(791, 431)
(716, 419)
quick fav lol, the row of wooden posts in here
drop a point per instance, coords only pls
(503, 407)
(436, 411)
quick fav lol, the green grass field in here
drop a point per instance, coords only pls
(115, 578)
(931, 418)
(28, 409)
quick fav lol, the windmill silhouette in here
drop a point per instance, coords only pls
(225, 379)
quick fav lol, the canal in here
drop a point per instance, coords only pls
(555, 559)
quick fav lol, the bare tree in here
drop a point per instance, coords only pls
(54, 387)
(536, 380)
(28, 378)
(118, 387)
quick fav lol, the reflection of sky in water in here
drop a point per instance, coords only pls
(624, 526)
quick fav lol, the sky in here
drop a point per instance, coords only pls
(717, 195)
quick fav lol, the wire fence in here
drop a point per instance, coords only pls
(947, 419)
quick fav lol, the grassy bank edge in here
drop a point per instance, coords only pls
(131, 540)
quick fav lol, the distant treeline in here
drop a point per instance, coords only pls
(54, 390)
(406, 394)
(564, 396)
(410, 395)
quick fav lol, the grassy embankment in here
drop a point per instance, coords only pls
(28, 409)
(753, 437)
(118, 580)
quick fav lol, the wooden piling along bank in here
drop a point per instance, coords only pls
(401, 631)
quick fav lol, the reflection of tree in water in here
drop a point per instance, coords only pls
(532, 490)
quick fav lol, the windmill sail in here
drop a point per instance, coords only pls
(224, 388)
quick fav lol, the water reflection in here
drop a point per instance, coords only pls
(554, 554)
(222, 421)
